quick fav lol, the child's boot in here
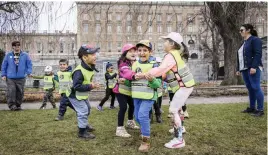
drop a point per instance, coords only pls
(82, 133)
(145, 144)
(132, 125)
(43, 106)
(89, 128)
(54, 105)
(59, 118)
(159, 118)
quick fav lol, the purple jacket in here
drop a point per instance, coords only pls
(125, 71)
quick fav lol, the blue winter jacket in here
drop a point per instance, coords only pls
(12, 71)
(252, 53)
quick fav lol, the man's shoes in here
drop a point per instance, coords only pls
(258, 113)
(248, 110)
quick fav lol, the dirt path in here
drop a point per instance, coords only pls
(192, 100)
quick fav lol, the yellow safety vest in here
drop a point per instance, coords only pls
(140, 88)
(65, 82)
(88, 76)
(183, 71)
(111, 82)
(124, 89)
(48, 82)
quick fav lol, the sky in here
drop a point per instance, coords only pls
(59, 16)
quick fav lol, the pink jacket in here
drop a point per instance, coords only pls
(125, 71)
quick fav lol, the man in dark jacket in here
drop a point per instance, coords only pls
(15, 67)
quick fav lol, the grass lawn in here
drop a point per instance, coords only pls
(211, 130)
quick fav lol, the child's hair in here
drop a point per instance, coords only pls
(184, 53)
(122, 58)
(64, 60)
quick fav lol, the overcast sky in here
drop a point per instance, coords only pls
(58, 16)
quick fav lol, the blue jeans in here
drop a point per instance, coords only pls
(141, 112)
(82, 109)
(253, 84)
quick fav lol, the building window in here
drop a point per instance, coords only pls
(27, 46)
(39, 46)
(109, 29)
(150, 29)
(159, 46)
(85, 16)
(190, 28)
(98, 28)
(61, 47)
(259, 29)
(119, 29)
(179, 17)
(260, 19)
(119, 46)
(140, 18)
(190, 18)
(129, 29)
(97, 16)
(150, 17)
(169, 17)
(109, 46)
(98, 44)
(179, 27)
(118, 16)
(110, 16)
(85, 28)
(4, 46)
(129, 17)
(119, 37)
(159, 28)
(139, 29)
(50, 47)
(50, 51)
(72, 46)
(169, 28)
(159, 17)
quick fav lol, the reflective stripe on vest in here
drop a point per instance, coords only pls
(88, 76)
(172, 81)
(140, 88)
(123, 89)
(48, 82)
(183, 71)
(65, 82)
(111, 82)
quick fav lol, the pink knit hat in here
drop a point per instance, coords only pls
(127, 47)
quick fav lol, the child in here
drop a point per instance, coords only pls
(49, 86)
(122, 90)
(179, 79)
(65, 79)
(143, 91)
(110, 78)
(82, 77)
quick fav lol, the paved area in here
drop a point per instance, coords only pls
(192, 100)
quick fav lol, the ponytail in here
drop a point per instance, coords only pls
(250, 27)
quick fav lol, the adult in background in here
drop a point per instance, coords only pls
(15, 67)
(250, 65)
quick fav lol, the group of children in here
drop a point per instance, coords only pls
(137, 86)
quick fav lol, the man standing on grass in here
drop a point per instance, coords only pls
(15, 67)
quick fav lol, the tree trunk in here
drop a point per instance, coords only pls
(228, 22)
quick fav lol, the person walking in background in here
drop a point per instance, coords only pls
(50, 82)
(110, 78)
(15, 67)
(249, 63)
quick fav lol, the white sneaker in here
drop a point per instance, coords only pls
(175, 143)
(186, 115)
(121, 132)
(172, 130)
(132, 125)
